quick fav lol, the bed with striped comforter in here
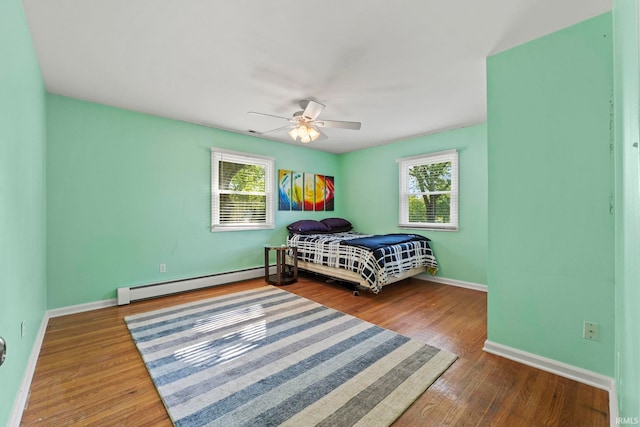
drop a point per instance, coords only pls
(377, 263)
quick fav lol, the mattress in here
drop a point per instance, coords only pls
(376, 258)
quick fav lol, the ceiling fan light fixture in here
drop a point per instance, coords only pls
(303, 131)
(313, 133)
(304, 125)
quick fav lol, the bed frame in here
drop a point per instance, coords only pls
(350, 276)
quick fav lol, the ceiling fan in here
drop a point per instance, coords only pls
(304, 124)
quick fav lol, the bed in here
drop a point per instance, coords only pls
(330, 248)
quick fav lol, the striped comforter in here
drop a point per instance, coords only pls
(375, 267)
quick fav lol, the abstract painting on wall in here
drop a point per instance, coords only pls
(297, 191)
(305, 191)
(329, 184)
(309, 191)
(284, 190)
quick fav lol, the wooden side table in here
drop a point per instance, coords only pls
(285, 274)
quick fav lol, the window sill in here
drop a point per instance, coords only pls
(429, 227)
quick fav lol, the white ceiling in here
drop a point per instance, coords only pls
(402, 68)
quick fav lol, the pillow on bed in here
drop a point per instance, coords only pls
(337, 225)
(307, 226)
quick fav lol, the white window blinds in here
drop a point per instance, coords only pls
(241, 191)
(429, 191)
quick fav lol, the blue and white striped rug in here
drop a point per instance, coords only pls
(266, 357)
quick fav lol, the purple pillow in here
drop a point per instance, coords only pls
(337, 225)
(307, 226)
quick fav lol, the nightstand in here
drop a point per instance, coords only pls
(285, 274)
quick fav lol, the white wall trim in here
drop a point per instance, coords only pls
(21, 398)
(81, 308)
(135, 293)
(581, 375)
(452, 282)
(613, 406)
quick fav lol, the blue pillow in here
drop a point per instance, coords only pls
(337, 225)
(307, 226)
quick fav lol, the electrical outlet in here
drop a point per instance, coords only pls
(591, 331)
(23, 329)
(163, 268)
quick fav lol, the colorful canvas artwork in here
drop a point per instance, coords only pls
(319, 193)
(284, 190)
(328, 193)
(297, 192)
(309, 191)
(305, 191)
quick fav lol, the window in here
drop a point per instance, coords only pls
(429, 191)
(241, 191)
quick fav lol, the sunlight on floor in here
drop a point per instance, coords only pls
(240, 341)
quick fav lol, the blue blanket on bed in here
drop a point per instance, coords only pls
(380, 241)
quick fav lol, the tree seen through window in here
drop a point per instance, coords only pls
(242, 197)
(429, 189)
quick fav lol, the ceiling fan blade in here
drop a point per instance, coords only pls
(322, 136)
(312, 109)
(269, 115)
(338, 124)
(273, 130)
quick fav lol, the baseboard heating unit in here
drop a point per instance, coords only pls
(136, 293)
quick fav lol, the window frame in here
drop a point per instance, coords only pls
(404, 164)
(221, 155)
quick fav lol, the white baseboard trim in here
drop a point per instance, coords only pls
(613, 406)
(81, 308)
(452, 282)
(23, 394)
(581, 375)
(125, 295)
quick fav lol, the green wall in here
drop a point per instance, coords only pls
(371, 181)
(551, 244)
(128, 191)
(22, 198)
(626, 19)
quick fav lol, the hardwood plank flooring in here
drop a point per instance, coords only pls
(89, 372)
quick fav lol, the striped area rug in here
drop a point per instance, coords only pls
(266, 357)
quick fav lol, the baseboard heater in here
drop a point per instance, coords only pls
(136, 293)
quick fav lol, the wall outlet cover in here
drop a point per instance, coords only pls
(591, 331)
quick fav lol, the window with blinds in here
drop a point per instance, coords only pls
(429, 191)
(241, 191)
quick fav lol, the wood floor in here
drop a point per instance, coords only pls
(89, 372)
